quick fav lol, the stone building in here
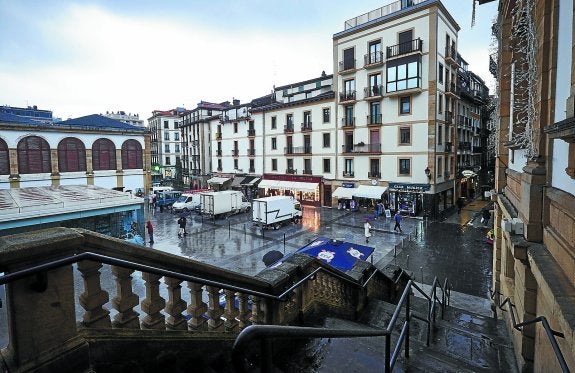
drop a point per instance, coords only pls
(534, 247)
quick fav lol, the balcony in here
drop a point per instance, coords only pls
(464, 145)
(295, 150)
(288, 128)
(218, 152)
(398, 50)
(348, 122)
(374, 120)
(448, 146)
(374, 174)
(477, 149)
(306, 127)
(373, 92)
(251, 152)
(361, 148)
(451, 89)
(346, 67)
(291, 171)
(235, 152)
(460, 121)
(373, 59)
(448, 117)
(346, 96)
(219, 169)
(307, 172)
(251, 132)
(347, 174)
(218, 135)
(451, 55)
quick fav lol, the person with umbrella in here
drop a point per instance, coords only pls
(271, 257)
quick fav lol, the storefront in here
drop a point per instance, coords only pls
(250, 186)
(218, 183)
(363, 196)
(468, 184)
(305, 189)
(407, 198)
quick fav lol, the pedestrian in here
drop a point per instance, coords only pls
(185, 222)
(182, 225)
(150, 231)
(397, 222)
(485, 216)
(367, 231)
(459, 205)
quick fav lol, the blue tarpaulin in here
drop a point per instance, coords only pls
(338, 254)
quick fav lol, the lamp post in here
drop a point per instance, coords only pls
(428, 173)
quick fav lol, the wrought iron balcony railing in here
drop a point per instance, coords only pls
(346, 65)
(397, 50)
(347, 96)
(374, 119)
(348, 122)
(361, 148)
(373, 59)
(373, 91)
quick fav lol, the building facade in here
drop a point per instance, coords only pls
(534, 246)
(90, 150)
(166, 143)
(30, 112)
(133, 119)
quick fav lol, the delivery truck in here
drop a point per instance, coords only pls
(273, 212)
(223, 203)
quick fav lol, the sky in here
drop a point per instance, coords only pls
(79, 57)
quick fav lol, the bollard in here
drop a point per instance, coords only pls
(421, 270)
(284, 240)
(229, 229)
(394, 251)
(407, 264)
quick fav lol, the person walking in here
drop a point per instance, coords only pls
(397, 222)
(367, 231)
(182, 225)
(485, 216)
(150, 231)
(459, 205)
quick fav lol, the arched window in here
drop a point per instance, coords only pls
(71, 155)
(131, 155)
(104, 155)
(4, 158)
(33, 155)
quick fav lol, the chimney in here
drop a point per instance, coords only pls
(236, 102)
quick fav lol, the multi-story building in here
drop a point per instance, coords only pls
(133, 119)
(396, 72)
(90, 150)
(30, 112)
(534, 245)
(196, 142)
(471, 163)
(166, 143)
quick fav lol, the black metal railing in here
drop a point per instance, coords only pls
(235, 152)
(291, 171)
(373, 58)
(542, 319)
(251, 152)
(448, 146)
(414, 45)
(451, 53)
(374, 119)
(305, 127)
(375, 174)
(373, 91)
(348, 121)
(218, 152)
(347, 96)
(306, 149)
(361, 148)
(251, 132)
(288, 128)
(346, 65)
(448, 117)
(307, 172)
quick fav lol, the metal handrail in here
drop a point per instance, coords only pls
(542, 319)
(263, 332)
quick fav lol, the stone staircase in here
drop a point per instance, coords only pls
(463, 342)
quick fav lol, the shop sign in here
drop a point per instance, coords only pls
(467, 173)
(348, 185)
(418, 188)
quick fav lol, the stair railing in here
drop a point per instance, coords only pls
(495, 296)
(264, 332)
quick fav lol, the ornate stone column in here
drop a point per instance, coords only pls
(153, 304)
(230, 312)
(215, 311)
(244, 312)
(197, 308)
(176, 305)
(93, 298)
(125, 300)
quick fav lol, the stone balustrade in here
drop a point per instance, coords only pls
(43, 329)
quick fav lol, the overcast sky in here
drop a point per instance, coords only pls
(79, 58)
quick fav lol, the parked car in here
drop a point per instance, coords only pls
(167, 198)
(187, 202)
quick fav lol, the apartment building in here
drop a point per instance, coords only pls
(30, 112)
(392, 108)
(166, 143)
(196, 136)
(133, 119)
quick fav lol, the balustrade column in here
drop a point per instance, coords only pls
(125, 300)
(244, 312)
(231, 312)
(176, 305)
(153, 304)
(258, 306)
(93, 298)
(197, 308)
(215, 311)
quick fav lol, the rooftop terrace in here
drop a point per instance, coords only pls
(380, 12)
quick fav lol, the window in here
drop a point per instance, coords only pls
(374, 52)
(348, 120)
(374, 112)
(440, 73)
(404, 166)
(219, 165)
(274, 143)
(318, 84)
(168, 161)
(103, 155)
(289, 120)
(177, 160)
(300, 88)
(326, 165)
(349, 59)
(307, 166)
(440, 103)
(167, 136)
(290, 164)
(177, 150)
(4, 158)
(235, 128)
(166, 148)
(403, 74)
(274, 164)
(440, 134)
(439, 167)
(326, 115)
(71, 155)
(166, 124)
(176, 136)
(405, 105)
(252, 165)
(274, 123)
(236, 164)
(132, 155)
(375, 85)
(349, 89)
(307, 118)
(348, 167)
(326, 140)
(405, 136)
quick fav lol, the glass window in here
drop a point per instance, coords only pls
(103, 155)
(71, 155)
(235, 128)
(168, 161)
(326, 115)
(132, 155)
(166, 124)
(440, 73)
(176, 136)
(405, 135)
(236, 164)
(274, 164)
(440, 103)
(404, 166)
(403, 76)
(439, 134)
(326, 165)
(274, 123)
(167, 136)
(348, 164)
(177, 150)
(4, 158)
(289, 120)
(274, 143)
(167, 148)
(405, 105)
(326, 140)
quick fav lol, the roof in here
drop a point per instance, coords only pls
(292, 85)
(96, 121)
(13, 118)
(279, 105)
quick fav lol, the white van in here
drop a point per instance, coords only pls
(187, 202)
(157, 189)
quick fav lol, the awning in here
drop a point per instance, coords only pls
(343, 193)
(292, 185)
(218, 180)
(369, 191)
(250, 180)
(238, 180)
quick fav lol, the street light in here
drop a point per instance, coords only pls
(428, 173)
